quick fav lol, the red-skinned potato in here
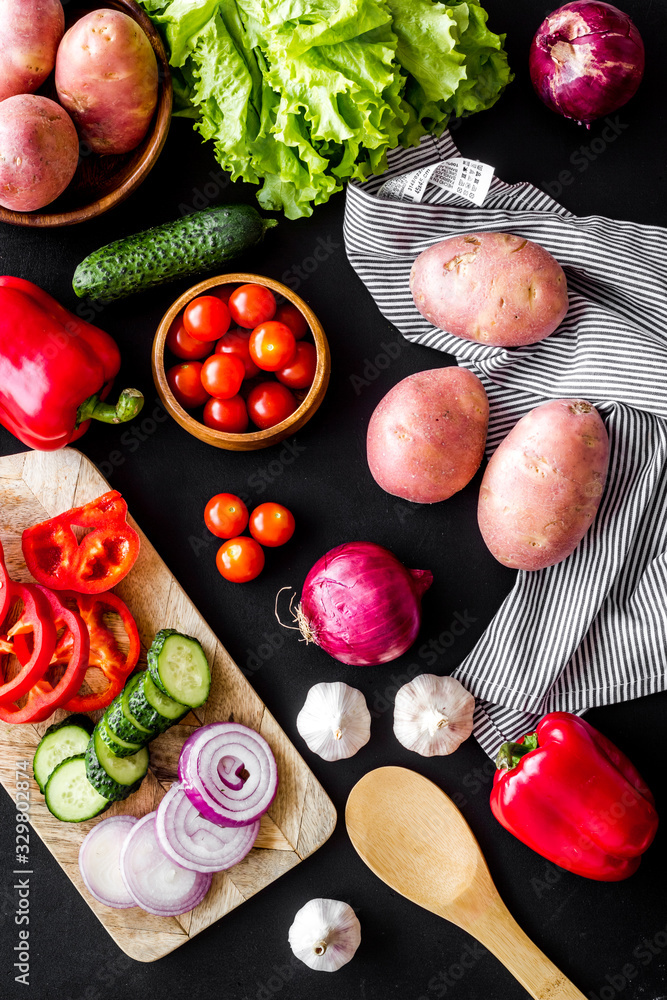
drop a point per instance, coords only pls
(30, 32)
(39, 152)
(494, 288)
(107, 78)
(426, 436)
(543, 484)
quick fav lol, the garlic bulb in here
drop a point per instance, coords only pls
(433, 715)
(334, 721)
(325, 934)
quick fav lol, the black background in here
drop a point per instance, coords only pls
(608, 938)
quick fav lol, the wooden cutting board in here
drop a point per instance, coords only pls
(35, 486)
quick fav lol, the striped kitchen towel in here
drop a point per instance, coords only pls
(593, 629)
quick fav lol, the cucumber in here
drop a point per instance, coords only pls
(184, 248)
(113, 777)
(152, 708)
(60, 741)
(116, 744)
(179, 668)
(120, 720)
(70, 796)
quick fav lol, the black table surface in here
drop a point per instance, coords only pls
(610, 939)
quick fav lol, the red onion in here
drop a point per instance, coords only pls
(194, 842)
(361, 605)
(99, 861)
(586, 60)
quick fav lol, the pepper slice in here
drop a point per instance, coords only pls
(98, 562)
(36, 618)
(4, 587)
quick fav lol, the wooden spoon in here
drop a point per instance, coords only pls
(412, 836)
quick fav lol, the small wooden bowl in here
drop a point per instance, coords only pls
(100, 182)
(250, 440)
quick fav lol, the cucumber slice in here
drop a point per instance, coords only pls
(114, 777)
(70, 796)
(153, 709)
(120, 721)
(60, 741)
(116, 744)
(179, 668)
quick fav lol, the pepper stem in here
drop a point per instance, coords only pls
(128, 406)
(510, 754)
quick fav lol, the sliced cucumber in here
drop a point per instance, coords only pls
(153, 709)
(60, 741)
(117, 746)
(114, 777)
(120, 721)
(70, 796)
(179, 667)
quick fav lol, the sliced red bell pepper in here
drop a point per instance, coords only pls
(36, 618)
(98, 562)
(4, 587)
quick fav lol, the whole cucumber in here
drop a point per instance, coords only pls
(185, 248)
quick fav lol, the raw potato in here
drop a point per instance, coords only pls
(30, 32)
(543, 485)
(39, 152)
(107, 78)
(493, 288)
(426, 437)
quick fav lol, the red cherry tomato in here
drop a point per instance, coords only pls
(222, 375)
(206, 318)
(250, 305)
(300, 372)
(236, 342)
(293, 318)
(240, 559)
(230, 415)
(272, 346)
(226, 515)
(222, 292)
(185, 383)
(183, 345)
(272, 524)
(269, 403)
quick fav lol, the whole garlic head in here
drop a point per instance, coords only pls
(433, 715)
(334, 721)
(325, 934)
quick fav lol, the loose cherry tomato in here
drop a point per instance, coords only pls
(272, 346)
(236, 342)
(230, 415)
(183, 345)
(240, 559)
(185, 383)
(269, 403)
(226, 515)
(250, 305)
(293, 318)
(272, 524)
(222, 292)
(206, 318)
(300, 372)
(222, 374)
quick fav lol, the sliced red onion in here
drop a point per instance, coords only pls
(154, 881)
(99, 861)
(195, 842)
(229, 773)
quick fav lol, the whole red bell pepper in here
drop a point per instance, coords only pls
(568, 793)
(55, 370)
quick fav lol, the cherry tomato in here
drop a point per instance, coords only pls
(252, 304)
(230, 415)
(183, 345)
(185, 383)
(236, 342)
(300, 372)
(272, 346)
(222, 292)
(240, 559)
(269, 403)
(222, 374)
(206, 318)
(293, 318)
(272, 524)
(226, 515)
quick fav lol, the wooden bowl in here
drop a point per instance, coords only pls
(250, 440)
(100, 182)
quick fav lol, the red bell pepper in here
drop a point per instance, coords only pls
(98, 562)
(36, 618)
(55, 370)
(568, 793)
(4, 587)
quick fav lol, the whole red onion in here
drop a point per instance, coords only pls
(586, 60)
(361, 605)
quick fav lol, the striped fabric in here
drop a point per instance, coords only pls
(593, 629)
